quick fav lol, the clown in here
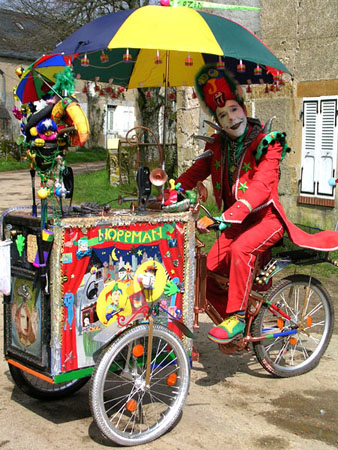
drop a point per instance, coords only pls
(243, 163)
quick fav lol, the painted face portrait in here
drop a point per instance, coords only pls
(24, 320)
(232, 119)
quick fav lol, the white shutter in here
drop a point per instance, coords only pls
(328, 148)
(309, 137)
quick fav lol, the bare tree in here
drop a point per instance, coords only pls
(55, 20)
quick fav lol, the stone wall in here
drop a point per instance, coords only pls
(303, 34)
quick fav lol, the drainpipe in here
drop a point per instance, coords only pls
(3, 90)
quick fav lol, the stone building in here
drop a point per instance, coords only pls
(303, 35)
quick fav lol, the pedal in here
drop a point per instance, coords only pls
(237, 345)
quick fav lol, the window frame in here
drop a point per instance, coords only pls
(319, 146)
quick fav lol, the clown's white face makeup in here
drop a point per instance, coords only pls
(232, 119)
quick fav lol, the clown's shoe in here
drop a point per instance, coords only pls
(227, 330)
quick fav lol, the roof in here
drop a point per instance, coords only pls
(16, 32)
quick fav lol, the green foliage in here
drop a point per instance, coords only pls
(95, 187)
(10, 151)
(80, 155)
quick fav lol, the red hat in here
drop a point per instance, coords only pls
(215, 86)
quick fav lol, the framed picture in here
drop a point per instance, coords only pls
(26, 329)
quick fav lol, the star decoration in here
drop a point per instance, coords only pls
(218, 185)
(139, 253)
(217, 164)
(243, 186)
(247, 167)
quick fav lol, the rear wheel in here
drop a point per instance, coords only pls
(307, 330)
(126, 410)
(41, 389)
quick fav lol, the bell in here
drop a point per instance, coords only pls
(158, 177)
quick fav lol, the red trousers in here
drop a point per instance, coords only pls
(234, 254)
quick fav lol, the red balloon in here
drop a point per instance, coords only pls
(165, 2)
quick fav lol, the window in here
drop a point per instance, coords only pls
(319, 147)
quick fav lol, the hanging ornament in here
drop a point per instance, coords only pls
(101, 93)
(258, 70)
(108, 90)
(121, 89)
(158, 59)
(113, 94)
(276, 77)
(85, 61)
(188, 60)
(85, 89)
(241, 67)
(103, 57)
(248, 89)
(220, 64)
(127, 56)
(172, 96)
(148, 94)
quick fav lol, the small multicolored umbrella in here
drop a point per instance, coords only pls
(155, 46)
(37, 80)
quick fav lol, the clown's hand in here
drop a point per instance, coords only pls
(221, 224)
(170, 289)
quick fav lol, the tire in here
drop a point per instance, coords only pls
(42, 390)
(126, 411)
(296, 354)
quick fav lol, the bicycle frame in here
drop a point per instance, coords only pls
(255, 301)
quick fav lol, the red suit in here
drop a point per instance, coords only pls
(252, 207)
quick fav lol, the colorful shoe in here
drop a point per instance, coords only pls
(227, 330)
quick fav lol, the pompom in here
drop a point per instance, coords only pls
(65, 81)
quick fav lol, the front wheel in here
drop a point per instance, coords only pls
(294, 344)
(126, 410)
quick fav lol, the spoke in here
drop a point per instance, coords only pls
(160, 400)
(303, 349)
(163, 394)
(119, 386)
(292, 353)
(281, 352)
(316, 308)
(318, 324)
(276, 341)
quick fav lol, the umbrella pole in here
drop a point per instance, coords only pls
(34, 207)
(165, 114)
(50, 87)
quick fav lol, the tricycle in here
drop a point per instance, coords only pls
(112, 296)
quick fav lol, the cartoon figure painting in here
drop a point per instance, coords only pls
(111, 299)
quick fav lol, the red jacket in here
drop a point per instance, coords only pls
(255, 185)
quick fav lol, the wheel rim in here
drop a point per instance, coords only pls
(299, 349)
(131, 410)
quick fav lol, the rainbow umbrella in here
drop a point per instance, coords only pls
(37, 80)
(155, 46)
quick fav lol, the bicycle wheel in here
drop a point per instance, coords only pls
(41, 389)
(124, 408)
(298, 353)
